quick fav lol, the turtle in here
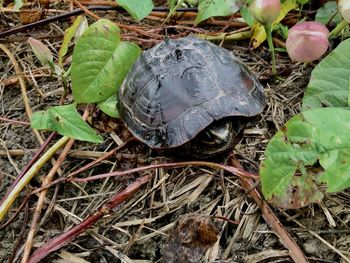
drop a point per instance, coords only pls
(189, 93)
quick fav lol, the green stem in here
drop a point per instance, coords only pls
(268, 29)
(173, 10)
(29, 175)
(337, 30)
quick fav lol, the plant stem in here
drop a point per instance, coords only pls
(337, 30)
(29, 175)
(268, 29)
(230, 169)
(226, 36)
(172, 11)
(27, 167)
(67, 236)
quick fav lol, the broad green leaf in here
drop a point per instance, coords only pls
(66, 121)
(210, 8)
(329, 83)
(258, 30)
(311, 152)
(138, 9)
(327, 12)
(69, 33)
(109, 106)
(100, 62)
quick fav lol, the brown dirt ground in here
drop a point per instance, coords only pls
(139, 228)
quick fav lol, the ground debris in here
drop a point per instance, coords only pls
(192, 236)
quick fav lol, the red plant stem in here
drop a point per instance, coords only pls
(63, 239)
(28, 166)
(233, 170)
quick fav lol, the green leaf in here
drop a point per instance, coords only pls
(282, 30)
(109, 106)
(138, 9)
(66, 121)
(329, 84)
(247, 15)
(310, 152)
(100, 62)
(327, 12)
(210, 8)
(68, 35)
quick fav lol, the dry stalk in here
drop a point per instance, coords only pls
(23, 89)
(230, 169)
(47, 180)
(271, 219)
(66, 237)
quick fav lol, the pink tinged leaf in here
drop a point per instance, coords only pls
(41, 51)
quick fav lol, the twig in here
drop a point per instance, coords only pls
(14, 121)
(271, 219)
(84, 168)
(233, 170)
(18, 187)
(28, 166)
(279, 42)
(24, 202)
(232, 222)
(87, 11)
(105, 156)
(20, 235)
(28, 176)
(63, 239)
(75, 13)
(314, 234)
(74, 153)
(47, 180)
(23, 89)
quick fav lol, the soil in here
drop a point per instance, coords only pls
(139, 228)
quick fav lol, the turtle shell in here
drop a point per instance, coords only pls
(179, 87)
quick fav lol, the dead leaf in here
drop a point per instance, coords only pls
(192, 236)
(31, 15)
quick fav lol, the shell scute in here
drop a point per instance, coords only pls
(179, 87)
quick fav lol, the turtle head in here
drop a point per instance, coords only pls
(217, 137)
